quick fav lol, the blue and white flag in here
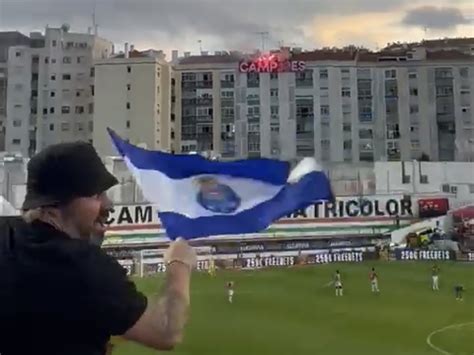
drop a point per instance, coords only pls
(197, 197)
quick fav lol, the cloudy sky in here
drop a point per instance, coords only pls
(234, 24)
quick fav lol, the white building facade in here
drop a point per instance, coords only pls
(55, 84)
(343, 107)
(133, 97)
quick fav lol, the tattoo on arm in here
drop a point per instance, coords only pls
(172, 310)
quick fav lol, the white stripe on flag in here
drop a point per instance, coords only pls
(180, 195)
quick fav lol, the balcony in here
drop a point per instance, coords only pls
(253, 102)
(204, 118)
(304, 83)
(197, 84)
(227, 102)
(197, 101)
(227, 84)
(445, 117)
(305, 135)
(393, 154)
(253, 83)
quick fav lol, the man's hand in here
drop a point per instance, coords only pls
(162, 325)
(180, 251)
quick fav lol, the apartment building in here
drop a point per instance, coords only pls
(336, 105)
(50, 89)
(7, 40)
(133, 97)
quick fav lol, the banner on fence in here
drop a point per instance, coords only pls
(414, 254)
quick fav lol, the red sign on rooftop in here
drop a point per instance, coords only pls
(271, 64)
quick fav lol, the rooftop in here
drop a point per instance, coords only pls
(210, 59)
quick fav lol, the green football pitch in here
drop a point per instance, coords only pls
(295, 312)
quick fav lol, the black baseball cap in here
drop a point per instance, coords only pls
(64, 171)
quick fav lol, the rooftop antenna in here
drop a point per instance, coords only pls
(200, 46)
(263, 35)
(95, 26)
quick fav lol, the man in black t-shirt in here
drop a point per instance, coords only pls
(60, 294)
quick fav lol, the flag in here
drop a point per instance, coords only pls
(197, 197)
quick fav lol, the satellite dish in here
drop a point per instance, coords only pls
(65, 27)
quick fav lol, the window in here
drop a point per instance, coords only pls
(346, 92)
(51, 127)
(65, 126)
(80, 126)
(345, 72)
(45, 111)
(414, 108)
(17, 54)
(51, 110)
(324, 110)
(365, 133)
(227, 94)
(53, 60)
(273, 76)
(413, 91)
(16, 123)
(128, 105)
(129, 87)
(92, 90)
(91, 108)
(274, 110)
(464, 72)
(46, 60)
(53, 77)
(414, 129)
(348, 144)
(18, 106)
(65, 109)
(16, 141)
(54, 43)
(346, 127)
(471, 188)
(92, 72)
(66, 76)
(274, 92)
(413, 75)
(129, 69)
(323, 74)
(34, 93)
(324, 92)
(325, 143)
(79, 109)
(127, 124)
(67, 60)
(415, 144)
(390, 74)
(227, 112)
(444, 90)
(52, 94)
(254, 127)
(78, 93)
(253, 111)
(80, 60)
(91, 126)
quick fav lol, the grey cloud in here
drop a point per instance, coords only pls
(435, 17)
(232, 23)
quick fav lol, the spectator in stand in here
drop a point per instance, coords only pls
(56, 280)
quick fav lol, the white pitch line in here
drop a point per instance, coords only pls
(441, 351)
